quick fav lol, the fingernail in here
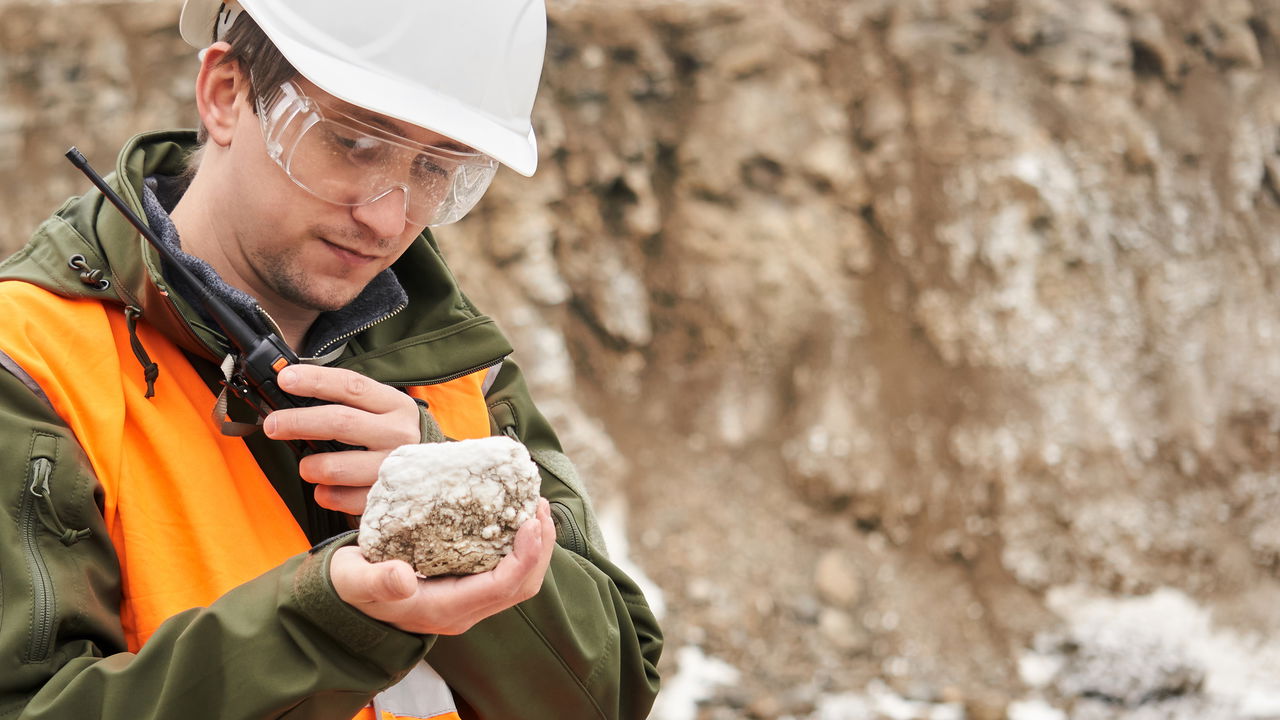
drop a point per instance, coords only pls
(285, 376)
(269, 425)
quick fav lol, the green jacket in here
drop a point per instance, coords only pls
(284, 644)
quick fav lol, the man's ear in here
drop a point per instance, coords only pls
(218, 86)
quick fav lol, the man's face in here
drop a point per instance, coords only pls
(295, 249)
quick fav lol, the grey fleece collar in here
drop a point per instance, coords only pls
(381, 298)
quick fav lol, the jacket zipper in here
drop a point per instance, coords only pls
(462, 373)
(346, 336)
(41, 583)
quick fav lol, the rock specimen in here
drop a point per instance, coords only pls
(450, 508)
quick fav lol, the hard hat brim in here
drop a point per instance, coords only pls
(195, 24)
(402, 101)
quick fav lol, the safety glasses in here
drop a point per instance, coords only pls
(347, 161)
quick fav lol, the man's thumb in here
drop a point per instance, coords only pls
(358, 581)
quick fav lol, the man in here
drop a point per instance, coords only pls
(155, 560)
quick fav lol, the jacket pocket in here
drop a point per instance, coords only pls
(34, 512)
(569, 535)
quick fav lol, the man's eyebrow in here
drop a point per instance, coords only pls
(374, 119)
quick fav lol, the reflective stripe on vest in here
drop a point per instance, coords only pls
(421, 695)
(175, 489)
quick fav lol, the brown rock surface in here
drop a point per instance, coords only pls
(981, 293)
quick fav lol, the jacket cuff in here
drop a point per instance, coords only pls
(427, 424)
(365, 636)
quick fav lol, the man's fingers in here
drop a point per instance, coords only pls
(342, 479)
(533, 583)
(358, 581)
(360, 411)
(346, 424)
(340, 385)
(349, 468)
(520, 573)
(527, 545)
(349, 500)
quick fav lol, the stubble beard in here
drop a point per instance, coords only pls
(281, 272)
(281, 269)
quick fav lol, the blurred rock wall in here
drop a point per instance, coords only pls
(882, 318)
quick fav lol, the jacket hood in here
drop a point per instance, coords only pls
(439, 336)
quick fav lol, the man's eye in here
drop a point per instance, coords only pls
(424, 165)
(357, 147)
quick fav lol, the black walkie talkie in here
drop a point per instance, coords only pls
(259, 357)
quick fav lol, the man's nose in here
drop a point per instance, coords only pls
(385, 216)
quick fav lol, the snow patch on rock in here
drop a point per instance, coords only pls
(1156, 655)
(696, 679)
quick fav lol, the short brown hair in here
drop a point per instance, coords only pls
(259, 60)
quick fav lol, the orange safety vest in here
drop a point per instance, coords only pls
(175, 488)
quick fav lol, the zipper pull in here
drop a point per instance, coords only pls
(41, 469)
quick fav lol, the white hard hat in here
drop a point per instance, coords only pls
(467, 69)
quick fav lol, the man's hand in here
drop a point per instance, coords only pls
(365, 412)
(390, 591)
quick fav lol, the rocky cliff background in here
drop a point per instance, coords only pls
(924, 355)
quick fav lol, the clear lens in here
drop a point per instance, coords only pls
(345, 161)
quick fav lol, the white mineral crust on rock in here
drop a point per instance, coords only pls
(450, 508)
